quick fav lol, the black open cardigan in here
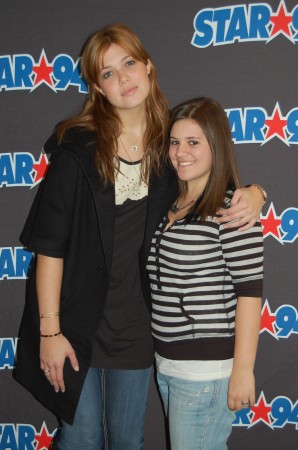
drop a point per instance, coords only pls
(72, 217)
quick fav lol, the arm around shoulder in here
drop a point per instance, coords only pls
(245, 209)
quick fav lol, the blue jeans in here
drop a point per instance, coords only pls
(197, 411)
(110, 413)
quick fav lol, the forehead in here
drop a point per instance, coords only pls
(113, 55)
(186, 127)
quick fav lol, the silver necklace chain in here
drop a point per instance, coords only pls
(132, 162)
(134, 147)
(175, 208)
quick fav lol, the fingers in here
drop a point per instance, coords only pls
(241, 224)
(57, 379)
(236, 197)
(52, 364)
(237, 402)
(244, 210)
(248, 225)
(55, 376)
(245, 405)
(47, 373)
(242, 219)
(73, 361)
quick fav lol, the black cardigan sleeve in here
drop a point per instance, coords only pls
(47, 228)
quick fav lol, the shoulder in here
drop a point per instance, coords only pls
(228, 197)
(75, 141)
(78, 147)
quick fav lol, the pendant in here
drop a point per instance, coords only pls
(174, 209)
(134, 148)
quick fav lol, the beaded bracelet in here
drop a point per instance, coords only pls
(51, 335)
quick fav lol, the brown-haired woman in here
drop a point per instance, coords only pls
(85, 346)
(206, 286)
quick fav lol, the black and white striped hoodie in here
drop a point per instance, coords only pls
(197, 271)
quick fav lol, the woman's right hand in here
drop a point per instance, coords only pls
(53, 351)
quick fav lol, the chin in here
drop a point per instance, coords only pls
(182, 178)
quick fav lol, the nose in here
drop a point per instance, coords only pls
(181, 150)
(123, 77)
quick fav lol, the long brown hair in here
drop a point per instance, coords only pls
(99, 115)
(212, 119)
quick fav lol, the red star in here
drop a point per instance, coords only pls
(267, 320)
(44, 438)
(43, 72)
(281, 22)
(276, 124)
(261, 411)
(40, 168)
(271, 224)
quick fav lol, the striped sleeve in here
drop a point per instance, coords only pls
(243, 253)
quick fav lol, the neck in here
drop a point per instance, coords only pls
(133, 122)
(194, 190)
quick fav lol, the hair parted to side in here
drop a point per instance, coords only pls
(99, 115)
(212, 119)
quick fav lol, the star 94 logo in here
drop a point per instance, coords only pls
(14, 263)
(256, 125)
(276, 414)
(8, 347)
(244, 23)
(22, 169)
(21, 72)
(24, 437)
(280, 324)
(283, 228)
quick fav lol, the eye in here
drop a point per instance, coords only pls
(108, 74)
(131, 62)
(174, 142)
(193, 142)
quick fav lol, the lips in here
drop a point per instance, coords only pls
(129, 92)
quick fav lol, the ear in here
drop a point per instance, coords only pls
(149, 67)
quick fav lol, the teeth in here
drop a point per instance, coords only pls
(187, 163)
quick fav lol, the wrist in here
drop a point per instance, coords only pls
(49, 315)
(260, 189)
(50, 335)
(243, 366)
(49, 327)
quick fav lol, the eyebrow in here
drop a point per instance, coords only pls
(123, 59)
(188, 137)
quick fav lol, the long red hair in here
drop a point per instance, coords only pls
(99, 115)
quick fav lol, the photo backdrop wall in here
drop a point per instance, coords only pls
(243, 54)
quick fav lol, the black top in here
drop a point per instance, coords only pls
(123, 340)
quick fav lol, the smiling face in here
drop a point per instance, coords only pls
(123, 79)
(190, 154)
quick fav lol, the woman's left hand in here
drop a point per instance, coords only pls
(245, 209)
(241, 392)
